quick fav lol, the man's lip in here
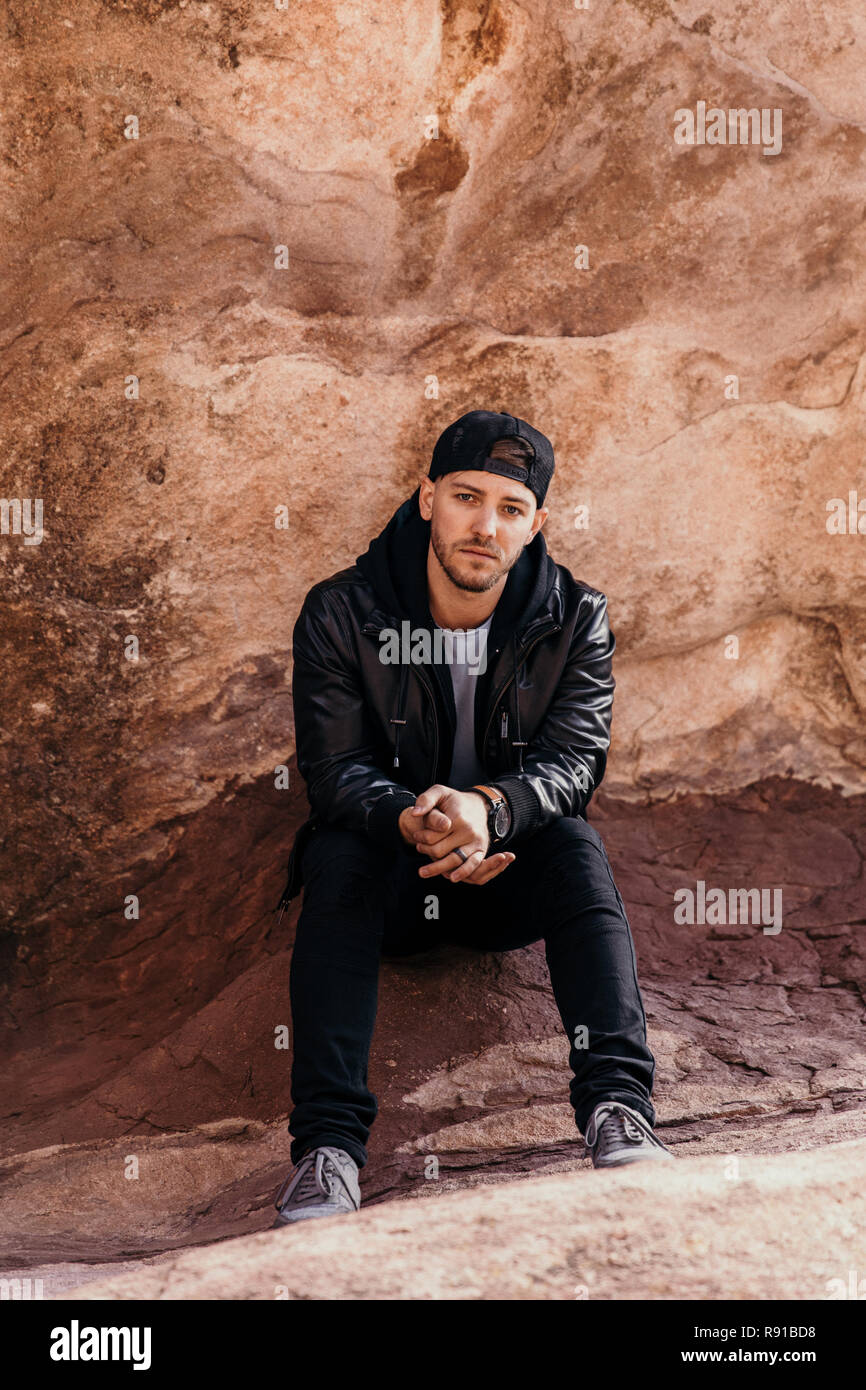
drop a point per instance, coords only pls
(468, 550)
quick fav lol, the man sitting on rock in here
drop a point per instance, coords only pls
(441, 777)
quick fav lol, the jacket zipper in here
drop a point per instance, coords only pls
(372, 630)
(553, 627)
(430, 693)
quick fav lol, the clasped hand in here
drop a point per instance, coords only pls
(443, 820)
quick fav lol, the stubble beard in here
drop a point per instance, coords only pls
(473, 584)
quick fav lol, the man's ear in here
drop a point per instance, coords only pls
(537, 522)
(425, 497)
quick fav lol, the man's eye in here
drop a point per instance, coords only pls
(465, 494)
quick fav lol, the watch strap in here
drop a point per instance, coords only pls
(493, 795)
(496, 800)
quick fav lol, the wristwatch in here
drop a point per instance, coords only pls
(499, 814)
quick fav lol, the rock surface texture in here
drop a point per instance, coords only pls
(242, 285)
(781, 1229)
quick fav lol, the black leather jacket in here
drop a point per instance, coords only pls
(370, 737)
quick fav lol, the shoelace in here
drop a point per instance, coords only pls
(621, 1125)
(312, 1182)
(624, 1127)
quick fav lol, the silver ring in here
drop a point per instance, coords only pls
(463, 856)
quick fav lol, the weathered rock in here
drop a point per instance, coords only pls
(758, 1041)
(760, 1228)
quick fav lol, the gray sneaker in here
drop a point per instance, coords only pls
(325, 1181)
(616, 1134)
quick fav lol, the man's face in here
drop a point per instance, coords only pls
(479, 525)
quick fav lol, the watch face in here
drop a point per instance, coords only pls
(502, 821)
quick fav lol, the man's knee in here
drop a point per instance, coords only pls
(569, 863)
(567, 835)
(342, 865)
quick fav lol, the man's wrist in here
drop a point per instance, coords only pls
(500, 816)
(473, 791)
(526, 814)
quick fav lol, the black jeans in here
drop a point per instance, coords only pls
(361, 902)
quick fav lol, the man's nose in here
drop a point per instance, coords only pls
(485, 522)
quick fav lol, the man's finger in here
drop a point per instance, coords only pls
(458, 833)
(436, 825)
(446, 865)
(486, 875)
(487, 869)
(466, 869)
(428, 799)
(440, 840)
(490, 868)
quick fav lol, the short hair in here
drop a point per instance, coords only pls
(513, 450)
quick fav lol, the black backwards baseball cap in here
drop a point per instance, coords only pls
(465, 445)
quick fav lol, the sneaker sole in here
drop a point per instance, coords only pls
(631, 1158)
(309, 1215)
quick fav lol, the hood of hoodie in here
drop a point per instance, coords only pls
(395, 565)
